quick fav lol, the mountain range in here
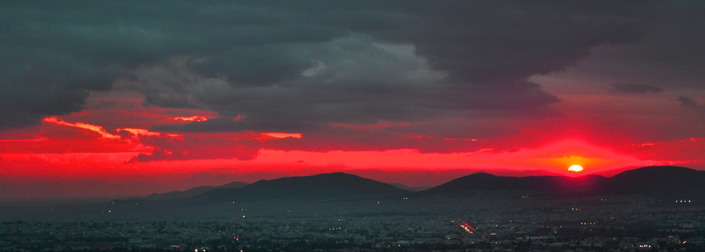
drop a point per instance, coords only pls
(333, 194)
(321, 186)
(661, 182)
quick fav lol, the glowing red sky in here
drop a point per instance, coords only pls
(114, 143)
(418, 96)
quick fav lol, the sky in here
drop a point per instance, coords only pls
(133, 97)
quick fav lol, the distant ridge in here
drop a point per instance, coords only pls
(531, 184)
(665, 182)
(175, 195)
(333, 193)
(408, 188)
(321, 186)
(662, 182)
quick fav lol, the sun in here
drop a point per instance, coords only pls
(575, 168)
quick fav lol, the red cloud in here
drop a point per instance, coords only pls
(97, 129)
(198, 147)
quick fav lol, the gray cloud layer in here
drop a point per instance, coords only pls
(297, 66)
(635, 88)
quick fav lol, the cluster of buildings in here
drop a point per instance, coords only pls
(631, 224)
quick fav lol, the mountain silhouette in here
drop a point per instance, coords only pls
(329, 194)
(662, 182)
(175, 195)
(532, 184)
(321, 186)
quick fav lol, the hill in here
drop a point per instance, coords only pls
(662, 182)
(531, 184)
(175, 195)
(322, 186)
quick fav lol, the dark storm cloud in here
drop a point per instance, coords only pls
(290, 65)
(497, 41)
(53, 53)
(669, 55)
(635, 88)
(232, 125)
(687, 102)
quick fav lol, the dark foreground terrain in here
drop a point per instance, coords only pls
(649, 209)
